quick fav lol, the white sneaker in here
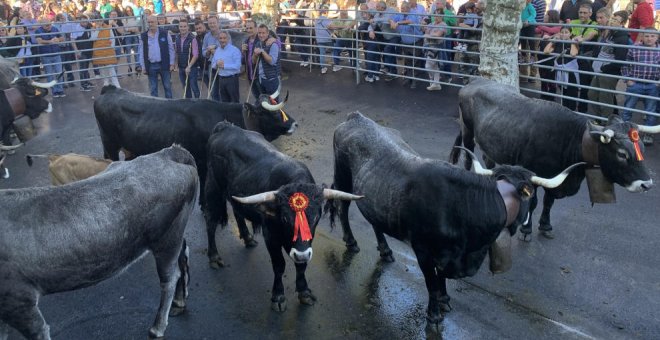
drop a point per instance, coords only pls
(336, 68)
(324, 70)
(369, 79)
(304, 64)
(434, 87)
(376, 78)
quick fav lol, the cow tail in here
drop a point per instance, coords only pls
(29, 158)
(331, 207)
(455, 153)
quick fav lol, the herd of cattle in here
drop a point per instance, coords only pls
(178, 150)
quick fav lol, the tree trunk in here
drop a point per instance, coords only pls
(499, 41)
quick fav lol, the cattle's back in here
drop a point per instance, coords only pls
(8, 71)
(363, 139)
(511, 128)
(142, 124)
(117, 213)
(246, 159)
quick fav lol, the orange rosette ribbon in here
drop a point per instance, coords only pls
(299, 202)
(634, 137)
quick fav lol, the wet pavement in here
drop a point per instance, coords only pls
(599, 278)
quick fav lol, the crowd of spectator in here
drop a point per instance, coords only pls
(579, 52)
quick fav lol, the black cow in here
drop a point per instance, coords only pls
(546, 137)
(56, 239)
(448, 215)
(140, 124)
(282, 197)
(20, 94)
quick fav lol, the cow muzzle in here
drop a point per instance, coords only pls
(292, 129)
(640, 186)
(301, 256)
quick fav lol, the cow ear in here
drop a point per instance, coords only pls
(614, 119)
(526, 191)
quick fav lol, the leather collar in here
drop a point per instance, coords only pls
(589, 149)
(511, 200)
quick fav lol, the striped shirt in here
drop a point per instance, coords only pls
(650, 57)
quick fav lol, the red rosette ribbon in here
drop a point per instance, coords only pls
(299, 202)
(634, 137)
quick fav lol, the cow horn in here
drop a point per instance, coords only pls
(274, 95)
(270, 107)
(605, 136)
(649, 129)
(555, 181)
(330, 194)
(267, 196)
(44, 85)
(478, 168)
(9, 147)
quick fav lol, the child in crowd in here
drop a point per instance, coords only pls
(471, 20)
(566, 67)
(645, 69)
(433, 43)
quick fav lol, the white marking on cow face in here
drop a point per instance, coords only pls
(292, 129)
(49, 109)
(301, 256)
(640, 186)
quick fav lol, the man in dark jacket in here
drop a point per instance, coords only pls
(157, 51)
(608, 54)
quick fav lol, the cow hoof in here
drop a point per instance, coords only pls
(152, 335)
(250, 242)
(547, 234)
(387, 258)
(433, 327)
(445, 307)
(386, 254)
(216, 262)
(434, 322)
(525, 237)
(307, 298)
(353, 248)
(278, 303)
(176, 310)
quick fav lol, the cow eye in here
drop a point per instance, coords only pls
(622, 154)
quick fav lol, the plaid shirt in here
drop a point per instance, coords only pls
(650, 71)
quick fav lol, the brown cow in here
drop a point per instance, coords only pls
(71, 167)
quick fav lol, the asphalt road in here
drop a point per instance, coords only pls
(599, 278)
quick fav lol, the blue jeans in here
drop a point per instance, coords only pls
(26, 66)
(372, 56)
(322, 48)
(83, 67)
(646, 89)
(192, 89)
(53, 68)
(130, 44)
(266, 86)
(155, 69)
(340, 45)
(391, 59)
(448, 55)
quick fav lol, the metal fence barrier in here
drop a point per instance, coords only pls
(405, 61)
